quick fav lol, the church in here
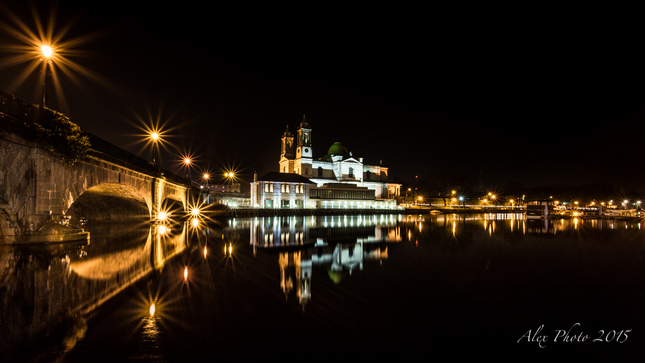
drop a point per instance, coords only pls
(337, 172)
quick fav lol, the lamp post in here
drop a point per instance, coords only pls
(155, 138)
(47, 54)
(187, 162)
(208, 196)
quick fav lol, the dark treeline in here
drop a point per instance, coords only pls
(447, 186)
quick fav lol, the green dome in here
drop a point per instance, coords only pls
(337, 149)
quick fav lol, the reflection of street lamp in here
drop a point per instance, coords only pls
(47, 54)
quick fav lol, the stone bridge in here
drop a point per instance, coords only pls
(109, 184)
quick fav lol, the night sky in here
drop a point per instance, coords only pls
(548, 97)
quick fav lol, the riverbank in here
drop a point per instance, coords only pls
(259, 212)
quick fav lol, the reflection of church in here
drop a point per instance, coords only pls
(339, 245)
(337, 174)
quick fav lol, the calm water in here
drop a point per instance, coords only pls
(319, 288)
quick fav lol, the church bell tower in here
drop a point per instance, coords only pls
(303, 161)
(288, 152)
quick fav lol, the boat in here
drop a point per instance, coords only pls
(620, 213)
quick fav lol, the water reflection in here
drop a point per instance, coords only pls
(46, 287)
(276, 232)
(213, 291)
(340, 245)
(337, 244)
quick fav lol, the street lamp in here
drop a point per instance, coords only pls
(155, 137)
(47, 54)
(208, 195)
(187, 162)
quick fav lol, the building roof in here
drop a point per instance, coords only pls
(284, 177)
(337, 149)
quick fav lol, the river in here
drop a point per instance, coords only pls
(430, 287)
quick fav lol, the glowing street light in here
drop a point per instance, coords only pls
(187, 162)
(47, 51)
(47, 54)
(208, 195)
(155, 137)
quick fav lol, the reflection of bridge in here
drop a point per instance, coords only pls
(108, 185)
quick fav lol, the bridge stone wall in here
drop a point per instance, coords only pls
(36, 187)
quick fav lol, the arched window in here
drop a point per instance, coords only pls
(351, 172)
(320, 171)
(368, 175)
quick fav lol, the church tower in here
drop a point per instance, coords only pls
(288, 152)
(303, 161)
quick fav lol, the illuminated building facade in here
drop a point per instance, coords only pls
(336, 169)
(280, 190)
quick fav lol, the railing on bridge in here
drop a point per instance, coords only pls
(21, 117)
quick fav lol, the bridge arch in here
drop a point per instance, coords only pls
(110, 202)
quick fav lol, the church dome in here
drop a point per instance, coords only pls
(337, 149)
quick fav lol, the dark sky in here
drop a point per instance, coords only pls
(548, 97)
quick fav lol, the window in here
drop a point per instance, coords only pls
(368, 175)
(320, 171)
(351, 172)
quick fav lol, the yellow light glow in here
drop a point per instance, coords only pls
(155, 136)
(186, 273)
(47, 51)
(162, 215)
(195, 211)
(205, 251)
(195, 222)
(206, 176)
(186, 161)
(162, 229)
(152, 309)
